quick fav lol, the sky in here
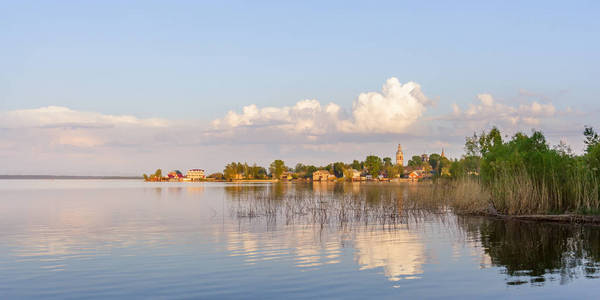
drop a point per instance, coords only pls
(125, 87)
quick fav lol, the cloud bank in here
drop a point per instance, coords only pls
(488, 109)
(53, 139)
(57, 116)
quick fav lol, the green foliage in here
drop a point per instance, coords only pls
(524, 175)
(305, 171)
(393, 171)
(277, 168)
(443, 168)
(593, 159)
(390, 169)
(157, 176)
(457, 169)
(387, 162)
(348, 174)
(471, 164)
(256, 172)
(472, 146)
(374, 165)
(591, 138)
(416, 161)
(434, 160)
(232, 170)
(216, 176)
(338, 169)
(488, 141)
(310, 170)
(356, 165)
(238, 170)
(466, 166)
(440, 165)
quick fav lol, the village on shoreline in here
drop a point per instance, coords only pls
(373, 168)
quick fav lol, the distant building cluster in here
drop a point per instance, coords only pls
(176, 175)
(372, 169)
(423, 168)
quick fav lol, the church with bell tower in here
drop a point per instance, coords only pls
(399, 156)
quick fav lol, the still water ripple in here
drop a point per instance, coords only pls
(128, 239)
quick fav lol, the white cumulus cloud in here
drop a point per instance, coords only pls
(392, 110)
(307, 116)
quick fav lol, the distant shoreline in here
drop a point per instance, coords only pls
(65, 177)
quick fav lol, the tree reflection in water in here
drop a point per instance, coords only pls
(535, 252)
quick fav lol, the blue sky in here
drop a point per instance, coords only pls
(195, 61)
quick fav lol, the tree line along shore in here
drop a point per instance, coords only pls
(520, 175)
(373, 168)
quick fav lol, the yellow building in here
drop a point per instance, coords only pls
(399, 156)
(321, 175)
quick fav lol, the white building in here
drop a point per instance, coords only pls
(195, 174)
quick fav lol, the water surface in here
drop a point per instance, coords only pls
(66, 239)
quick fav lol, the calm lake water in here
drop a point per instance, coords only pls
(87, 239)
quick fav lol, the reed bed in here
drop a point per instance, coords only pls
(573, 191)
(380, 205)
(520, 193)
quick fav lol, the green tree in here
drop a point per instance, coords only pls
(348, 174)
(309, 171)
(262, 173)
(387, 162)
(591, 138)
(415, 162)
(434, 161)
(471, 164)
(300, 168)
(593, 159)
(277, 168)
(393, 171)
(231, 171)
(158, 173)
(457, 169)
(472, 147)
(488, 141)
(444, 167)
(373, 164)
(254, 171)
(216, 176)
(338, 169)
(356, 165)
